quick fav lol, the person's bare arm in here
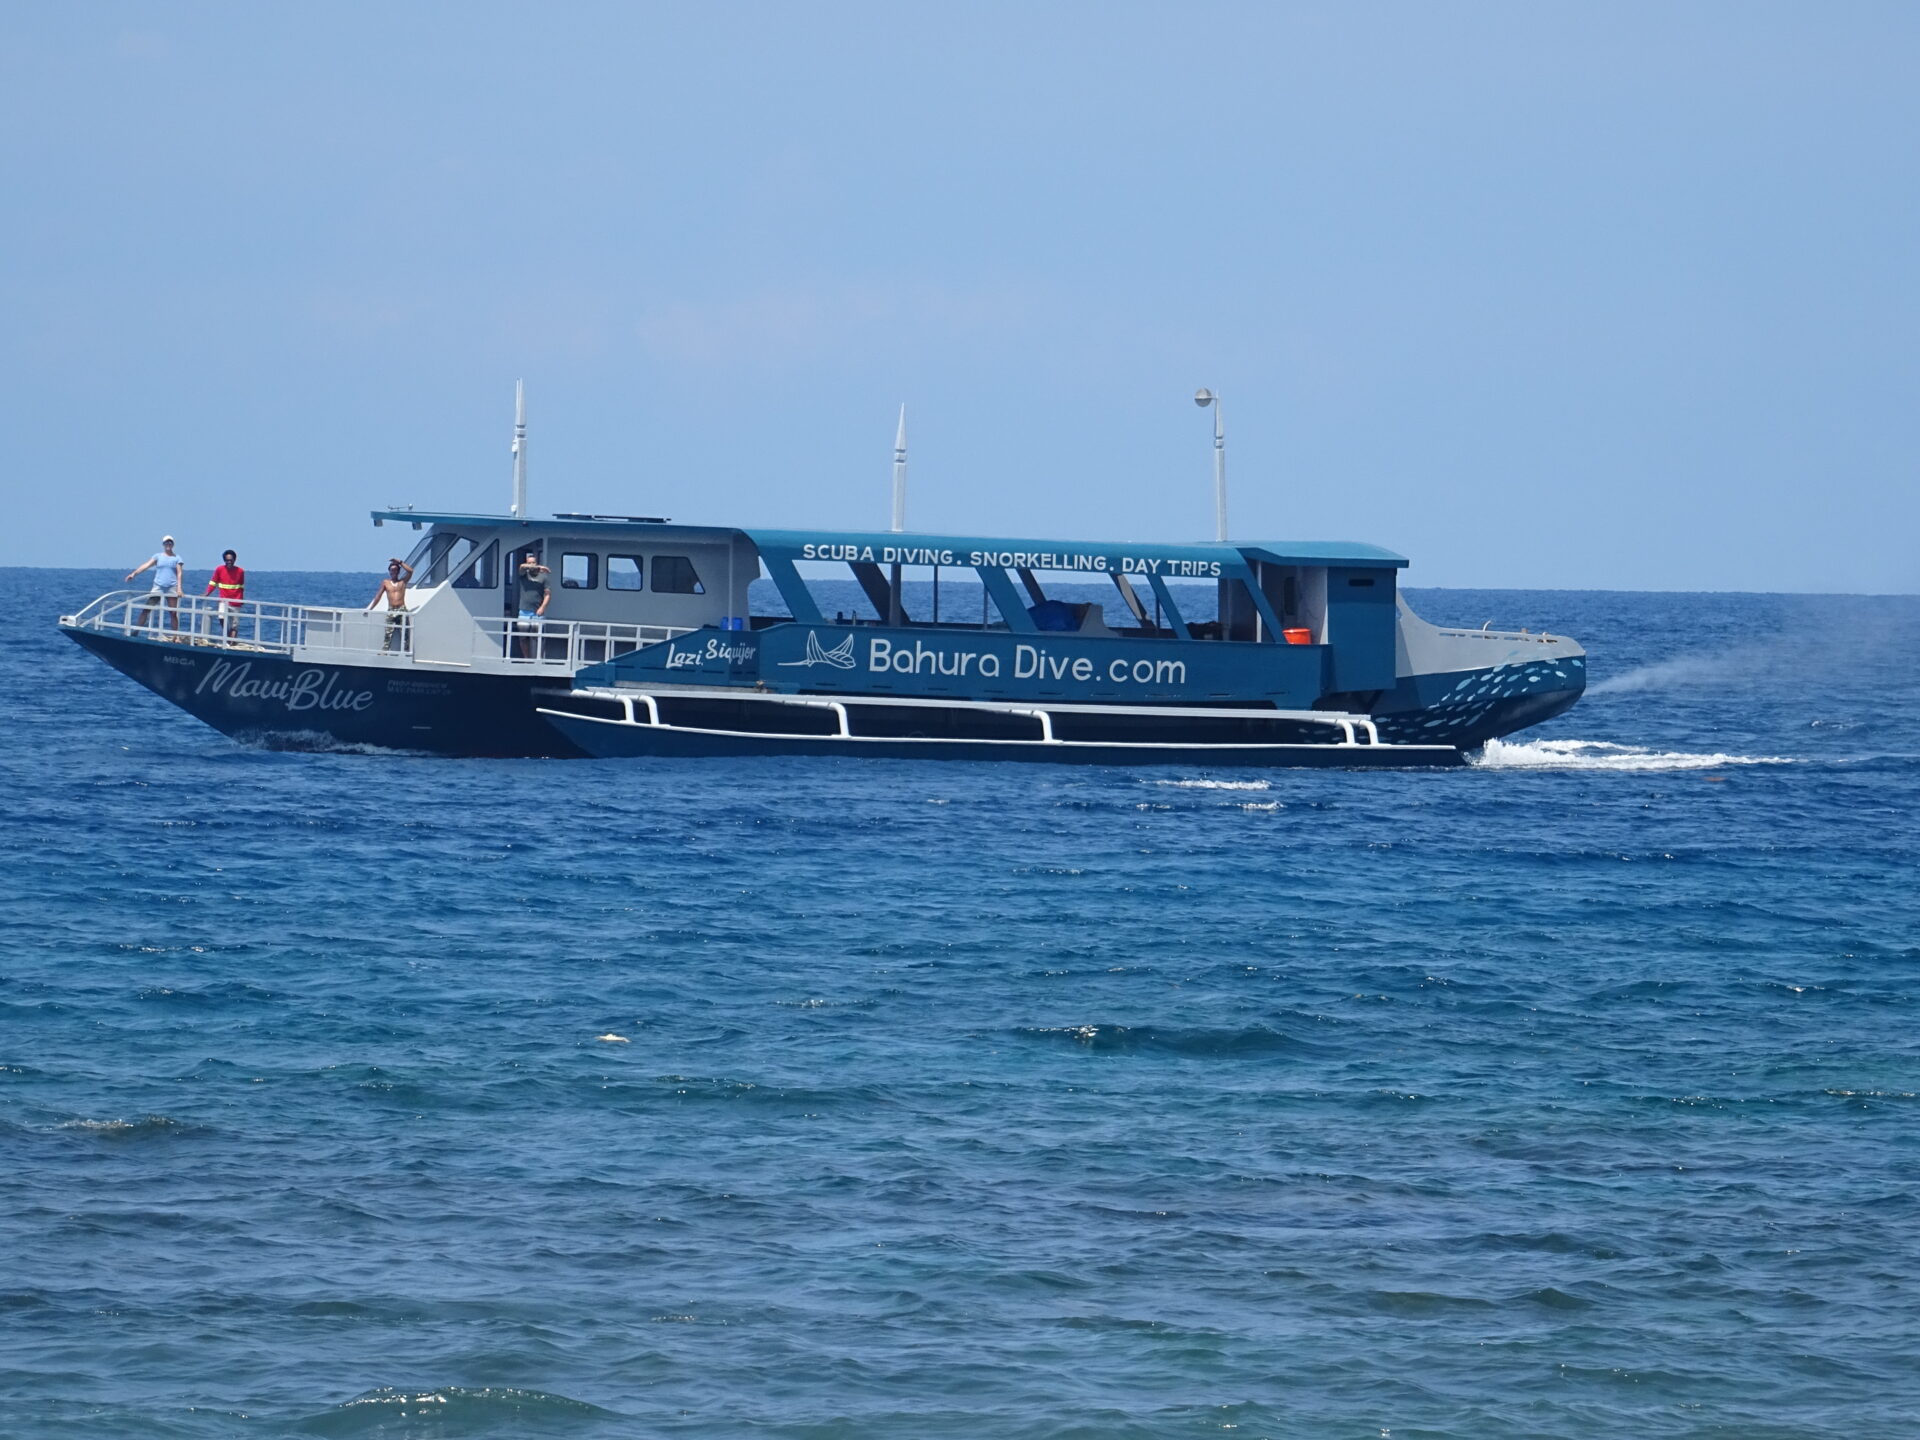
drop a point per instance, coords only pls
(142, 570)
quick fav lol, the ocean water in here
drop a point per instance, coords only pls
(1573, 1094)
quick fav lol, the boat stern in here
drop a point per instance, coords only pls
(1466, 687)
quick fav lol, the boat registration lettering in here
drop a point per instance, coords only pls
(307, 690)
(1099, 564)
(1010, 560)
(1148, 672)
(921, 658)
(1030, 662)
(715, 649)
(879, 554)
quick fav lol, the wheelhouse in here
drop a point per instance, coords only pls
(604, 569)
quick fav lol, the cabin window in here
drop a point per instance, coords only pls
(418, 559)
(1236, 617)
(675, 575)
(483, 573)
(1361, 580)
(441, 555)
(579, 572)
(625, 572)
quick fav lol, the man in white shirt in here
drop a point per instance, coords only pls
(169, 575)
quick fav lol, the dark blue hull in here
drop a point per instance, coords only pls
(1467, 708)
(269, 699)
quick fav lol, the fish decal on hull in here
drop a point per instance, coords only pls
(840, 657)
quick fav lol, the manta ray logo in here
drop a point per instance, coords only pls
(840, 657)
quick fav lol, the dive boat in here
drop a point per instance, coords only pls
(658, 642)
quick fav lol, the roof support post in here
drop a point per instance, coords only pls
(1125, 587)
(884, 598)
(786, 579)
(1006, 598)
(1248, 574)
(1174, 617)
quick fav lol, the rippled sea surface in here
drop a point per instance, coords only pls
(1573, 1094)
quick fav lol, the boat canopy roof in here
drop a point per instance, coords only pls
(906, 548)
(888, 547)
(569, 524)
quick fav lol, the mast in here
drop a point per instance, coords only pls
(519, 450)
(894, 608)
(900, 474)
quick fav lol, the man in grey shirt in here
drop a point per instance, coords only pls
(536, 589)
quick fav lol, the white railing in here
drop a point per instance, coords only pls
(208, 620)
(1485, 632)
(556, 647)
(565, 645)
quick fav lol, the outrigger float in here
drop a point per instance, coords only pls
(946, 646)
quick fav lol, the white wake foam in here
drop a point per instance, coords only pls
(1217, 784)
(1600, 755)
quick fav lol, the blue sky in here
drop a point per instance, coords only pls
(1608, 295)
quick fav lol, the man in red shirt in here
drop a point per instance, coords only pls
(230, 581)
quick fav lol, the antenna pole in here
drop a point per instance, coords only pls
(1204, 398)
(895, 610)
(519, 450)
(900, 474)
(1219, 470)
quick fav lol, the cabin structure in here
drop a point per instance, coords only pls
(1300, 621)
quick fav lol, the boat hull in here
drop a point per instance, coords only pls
(1467, 708)
(273, 700)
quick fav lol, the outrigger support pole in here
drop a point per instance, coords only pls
(519, 450)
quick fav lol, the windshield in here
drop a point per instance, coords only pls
(447, 554)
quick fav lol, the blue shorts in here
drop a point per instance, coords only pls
(530, 615)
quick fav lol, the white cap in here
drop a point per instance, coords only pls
(166, 539)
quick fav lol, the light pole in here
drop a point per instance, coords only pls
(1204, 398)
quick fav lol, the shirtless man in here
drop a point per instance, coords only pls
(393, 590)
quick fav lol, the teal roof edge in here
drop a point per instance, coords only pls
(910, 548)
(570, 524)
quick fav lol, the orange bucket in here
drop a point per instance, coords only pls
(1298, 636)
